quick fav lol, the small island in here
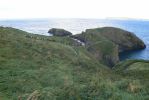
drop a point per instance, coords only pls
(64, 66)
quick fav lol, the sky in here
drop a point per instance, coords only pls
(24, 9)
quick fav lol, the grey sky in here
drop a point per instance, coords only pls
(10, 9)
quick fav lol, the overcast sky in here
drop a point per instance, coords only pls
(10, 9)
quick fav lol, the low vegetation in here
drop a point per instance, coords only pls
(36, 67)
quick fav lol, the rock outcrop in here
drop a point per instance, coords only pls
(125, 40)
(59, 32)
(109, 42)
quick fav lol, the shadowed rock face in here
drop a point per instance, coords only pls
(117, 40)
(59, 32)
(105, 51)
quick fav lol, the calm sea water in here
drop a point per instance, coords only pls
(41, 26)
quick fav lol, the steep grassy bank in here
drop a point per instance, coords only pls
(57, 68)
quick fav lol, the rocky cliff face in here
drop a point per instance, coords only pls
(110, 39)
(105, 51)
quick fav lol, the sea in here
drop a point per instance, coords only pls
(76, 26)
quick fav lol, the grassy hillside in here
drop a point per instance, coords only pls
(124, 39)
(35, 67)
(138, 71)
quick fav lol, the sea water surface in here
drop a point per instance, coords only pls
(76, 26)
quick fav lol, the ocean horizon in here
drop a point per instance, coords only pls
(41, 26)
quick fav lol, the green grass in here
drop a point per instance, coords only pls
(135, 70)
(55, 68)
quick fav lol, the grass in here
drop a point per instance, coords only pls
(55, 68)
(135, 70)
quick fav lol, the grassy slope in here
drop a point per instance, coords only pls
(138, 71)
(31, 62)
(52, 68)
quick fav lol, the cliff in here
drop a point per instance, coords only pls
(125, 40)
(110, 39)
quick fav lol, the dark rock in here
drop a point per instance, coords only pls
(59, 32)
